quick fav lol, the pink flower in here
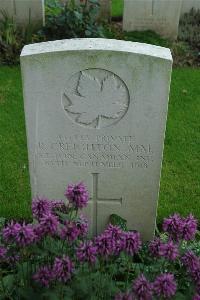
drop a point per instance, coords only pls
(132, 242)
(69, 231)
(43, 276)
(142, 288)
(77, 195)
(87, 251)
(49, 224)
(154, 247)
(63, 268)
(165, 285)
(169, 250)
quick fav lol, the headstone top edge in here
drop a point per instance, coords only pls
(96, 44)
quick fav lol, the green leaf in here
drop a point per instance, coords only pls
(8, 281)
(117, 220)
(51, 295)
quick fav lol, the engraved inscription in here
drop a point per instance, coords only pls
(98, 151)
(95, 98)
(95, 200)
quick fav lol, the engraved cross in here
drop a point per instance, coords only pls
(95, 200)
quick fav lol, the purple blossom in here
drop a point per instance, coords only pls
(77, 195)
(9, 231)
(58, 204)
(198, 287)
(3, 252)
(82, 225)
(114, 231)
(13, 259)
(165, 285)
(142, 288)
(39, 232)
(105, 245)
(69, 231)
(43, 276)
(169, 250)
(132, 242)
(190, 261)
(41, 206)
(192, 264)
(173, 226)
(154, 247)
(86, 251)
(196, 297)
(63, 268)
(189, 228)
(49, 224)
(116, 234)
(124, 296)
(195, 274)
(24, 235)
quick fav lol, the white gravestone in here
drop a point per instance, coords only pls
(24, 11)
(96, 112)
(161, 16)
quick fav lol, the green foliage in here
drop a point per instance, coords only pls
(117, 220)
(12, 39)
(148, 37)
(117, 8)
(71, 20)
(189, 28)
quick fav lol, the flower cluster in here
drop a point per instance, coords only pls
(87, 252)
(113, 240)
(45, 211)
(142, 288)
(61, 270)
(164, 286)
(180, 228)
(69, 231)
(56, 242)
(3, 252)
(167, 250)
(21, 234)
(41, 206)
(77, 195)
(192, 264)
(82, 225)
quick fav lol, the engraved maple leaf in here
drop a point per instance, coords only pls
(95, 99)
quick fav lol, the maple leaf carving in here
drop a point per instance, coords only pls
(95, 99)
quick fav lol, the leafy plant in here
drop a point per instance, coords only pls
(71, 20)
(53, 258)
(13, 38)
(189, 29)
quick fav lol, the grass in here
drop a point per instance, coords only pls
(117, 8)
(14, 180)
(180, 182)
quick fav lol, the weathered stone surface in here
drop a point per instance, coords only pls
(161, 16)
(96, 112)
(24, 11)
